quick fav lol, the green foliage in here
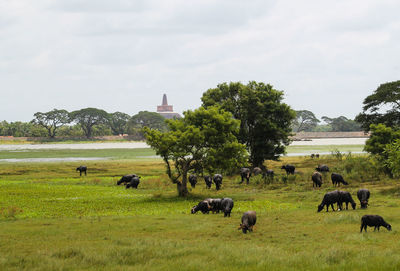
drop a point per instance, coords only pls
(385, 96)
(89, 117)
(381, 136)
(118, 121)
(148, 119)
(203, 140)
(264, 119)
(52, 120)
(305, 121)
(392, 152)
(21, 129)
(342, 124)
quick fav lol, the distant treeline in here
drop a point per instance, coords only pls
(307, 122)
(88, 122)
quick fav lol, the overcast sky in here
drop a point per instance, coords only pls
(122, 55)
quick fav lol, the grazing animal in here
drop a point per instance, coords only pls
(257, 171)
(268, 173)
(203, 206)
(245, 173)
(317, 155)
(374, 221)
(126, 179)
(208, 181)
(317, 179)
(227, 206)
(322, 168)
(363, 196)
(193, 180)
(81, 169)
(249, 219)
(345, 197)
(215, 205)
(217, 178)
(289, 169)
(134, 182)
(312, 156)
(330, 198)
(337, 179)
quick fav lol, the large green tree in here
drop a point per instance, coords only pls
(89, 117)
(143, 119)
(342, 124)
(118, 121)
(305, 121)
(203, 138)
(265, 121)
(52, 120)
(382, 106)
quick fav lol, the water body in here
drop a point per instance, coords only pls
(330, 141)
(45, 160)
(82, 146)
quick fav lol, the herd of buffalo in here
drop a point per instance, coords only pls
(249, 218)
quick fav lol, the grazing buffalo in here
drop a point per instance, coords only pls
(345, 197)
(337, 179)
(289, 169)
(268, 173)
(217, 178)
(245, 173)
(312, 156)
(317, 155)
(317, 179)
(203, 206)
(208, 181)
(215, 204)
(227, 206)
(363, 196)
(374, 221)
(249, 219)
(126, 179)
(257, 171)
(193, 180)
(81, 169)
(330, 198)
(322, 168)
(134, 182)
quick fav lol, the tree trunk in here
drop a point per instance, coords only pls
(182, 186)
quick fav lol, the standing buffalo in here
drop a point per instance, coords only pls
(345, 197)
(208, 181)
(249, 219)
(81, 169)
(227, 206)
(363, 196)
(203, 206)
(289, 169)
(257, 171)
(330, 198)
(317, 179)
(337, 179)
(134, 182)
(322, 168)
(374, 221)
(126, 179)
(217, 178)
(193, 180)
(245, 173)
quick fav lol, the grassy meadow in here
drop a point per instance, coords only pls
(53, 219)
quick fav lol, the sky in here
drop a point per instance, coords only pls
(121, 55)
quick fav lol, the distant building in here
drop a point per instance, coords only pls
(166, 110)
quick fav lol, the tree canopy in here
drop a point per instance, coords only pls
(117, 121)
(88, 117)
(52, 120)
(265, 121)
(385, 96)
(342, 124)
(204, 139)
(305, 121)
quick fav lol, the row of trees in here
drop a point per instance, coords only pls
(306, 121)
(87, 122)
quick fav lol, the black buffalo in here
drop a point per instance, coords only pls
(134, 182)
(289, 169)
(245, 173)
(330, 198)
(203, 206)
(322, 168)
(208, 181)
(193, 180)
(363, 196)
(317, 179)
(126, 179)
(81, 169)
(337, 179)
(374, 221)
(249, 219)
(345, 197)
(227, 206)
(217, 179)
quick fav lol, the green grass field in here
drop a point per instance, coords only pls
(52, 219)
